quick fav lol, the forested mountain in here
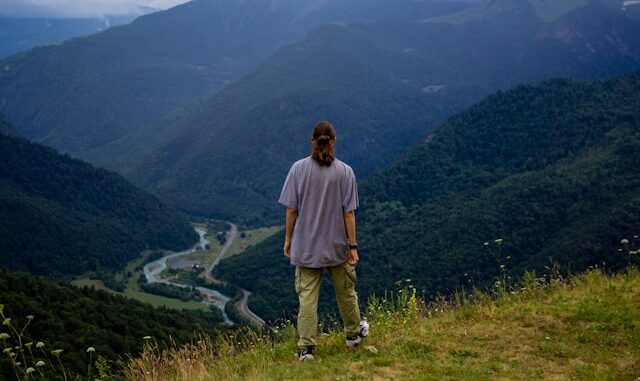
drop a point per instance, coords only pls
(86, 92)
(20, 34)
(59, 215)
(383, 85)
(552, 169)
(6, 127)
(66, 317)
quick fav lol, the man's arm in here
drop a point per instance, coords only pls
(350, 226)
(290, 221)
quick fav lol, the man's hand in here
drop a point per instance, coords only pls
(287, 248)
(353, 257)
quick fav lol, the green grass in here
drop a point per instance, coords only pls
(587, 328)
(133, 291)
(96, 283)
(251, 238)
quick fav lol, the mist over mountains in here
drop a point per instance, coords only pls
(21, 34)
(383, 84)
(91, 91)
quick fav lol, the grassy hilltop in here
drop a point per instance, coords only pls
(584, 328)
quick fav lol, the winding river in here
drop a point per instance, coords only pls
(152, 271)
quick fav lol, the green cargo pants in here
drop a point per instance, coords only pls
(307, 284)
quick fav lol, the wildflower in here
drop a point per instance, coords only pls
(56, 352)
(502, 266)
(1, 308)
(6, 351)
(4, 336)
(624, 241)
(6, 321)
(40, 363)
(30, 370)
(30, 317)
(498, 241)
(147, 338)
(91, 349)
(29, 344)
(39, 344)
(486, 243)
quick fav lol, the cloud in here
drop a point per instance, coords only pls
(81, 8)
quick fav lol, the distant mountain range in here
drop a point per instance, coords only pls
(207, 104)
(61, 216)
(383, 84)
(553, 170)
(21, 34)
(90, 91)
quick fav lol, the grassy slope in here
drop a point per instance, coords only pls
(584, 329)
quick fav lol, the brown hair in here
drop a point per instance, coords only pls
(323, 138)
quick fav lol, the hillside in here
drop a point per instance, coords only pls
(61, 216)
(20, 34)
(384, 85)
(551, 169)
(73, 319)
(586, 329)
(89, 91)
(6, 127)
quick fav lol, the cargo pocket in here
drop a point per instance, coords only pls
(350, 276)
(297, 280)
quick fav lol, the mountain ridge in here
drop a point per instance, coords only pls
(61, 216)
(551, 169)
(472, 61)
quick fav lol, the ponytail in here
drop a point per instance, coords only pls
(323, 138)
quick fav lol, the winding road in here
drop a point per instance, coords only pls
(244, 303)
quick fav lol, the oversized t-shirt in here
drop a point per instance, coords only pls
(321, 195)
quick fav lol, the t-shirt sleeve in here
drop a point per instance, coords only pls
(350, 193)
(289, 196)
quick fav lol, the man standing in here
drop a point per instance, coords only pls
(321, 195)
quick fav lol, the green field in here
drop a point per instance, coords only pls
(133, 291)
(250, 238)
(133, 269)
(584, 328)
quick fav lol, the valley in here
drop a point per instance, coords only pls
(196, 263)
(496, 147)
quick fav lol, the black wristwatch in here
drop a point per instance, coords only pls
(353, 247)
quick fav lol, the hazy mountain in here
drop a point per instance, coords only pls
(20, 34)
(552, 169)
(73, 319)
(59, 215)
(383, 84)
(6, 127)
(89, 91)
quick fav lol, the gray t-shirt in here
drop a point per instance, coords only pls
(321, 195)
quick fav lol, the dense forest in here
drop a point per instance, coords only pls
(384, 85)
(61, 216)
(553, 170)
(73, 319)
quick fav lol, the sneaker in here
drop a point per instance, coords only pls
(305, 353)
(353, 341)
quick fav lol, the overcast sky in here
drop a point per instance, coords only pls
(81, 8)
